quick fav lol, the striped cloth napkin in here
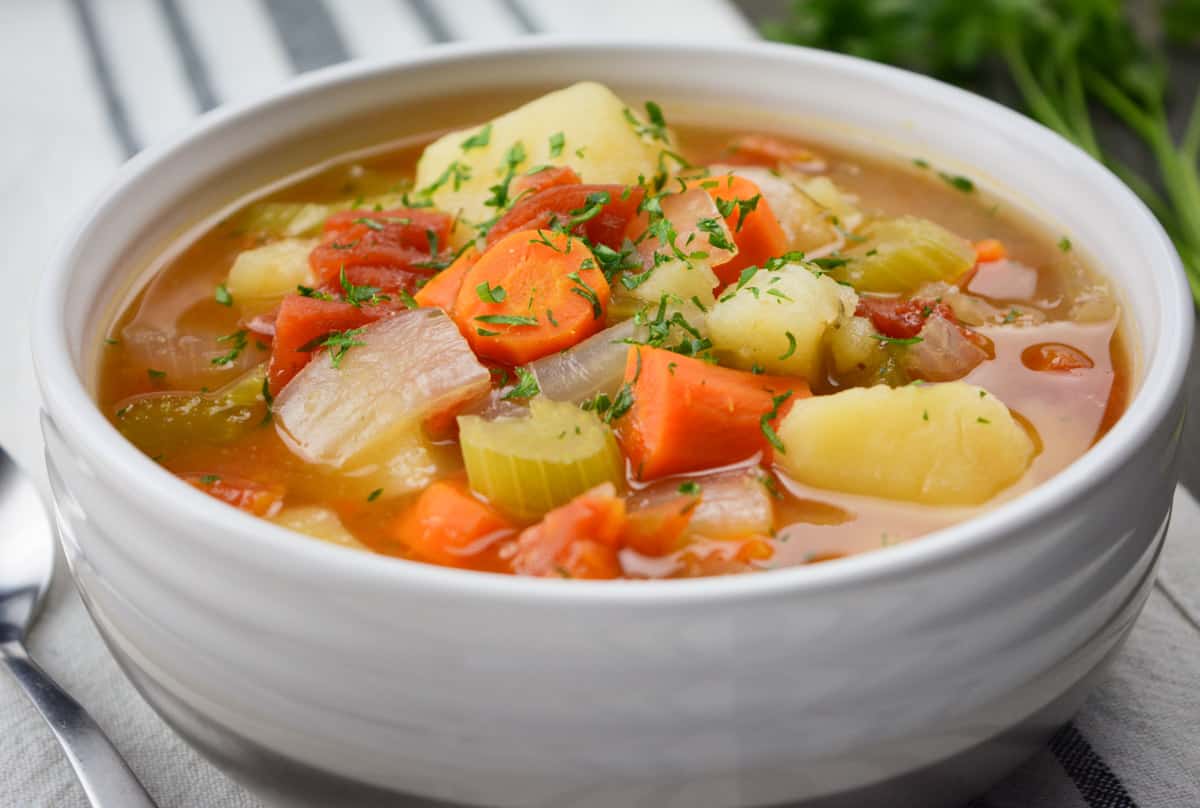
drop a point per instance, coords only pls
(88, 83)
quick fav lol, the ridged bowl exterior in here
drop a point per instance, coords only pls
(789, 686)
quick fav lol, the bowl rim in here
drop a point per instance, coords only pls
(75, 413)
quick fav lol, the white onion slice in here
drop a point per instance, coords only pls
(411, 366)
(685, 211)
(943, 354)
(595, 365)
(733, 505)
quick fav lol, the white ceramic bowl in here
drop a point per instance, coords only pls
(911, 676)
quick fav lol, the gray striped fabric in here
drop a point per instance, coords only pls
(87, 83)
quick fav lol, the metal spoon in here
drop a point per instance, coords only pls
(26, 565)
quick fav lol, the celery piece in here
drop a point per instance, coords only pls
(160, 422)
(899, 255)
(527, 466)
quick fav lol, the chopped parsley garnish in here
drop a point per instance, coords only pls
(506, 319)
(483, 332)
(557, 141)
(1064, 244)
(490, 294)
(478, 140)
(236, 342)
(222, 296)
(691, 488)
(764, 423)
(791, 338)
(744, 207)
(374, 495)
(209, 479)
(621, 403)
(1012, 315)
(776, 293)
(156, 375)
(582, 289)
(982, 420)
(407, 299)
(358, 296)
(371, 224)
(338, 343)
(920, 162)
(315, 294)
(656, 126)
(925, 415)
(898, 340)
(716, 233)
(593, 204)
(500, 191)
(526, 387)
(957, 182)
(456, 173)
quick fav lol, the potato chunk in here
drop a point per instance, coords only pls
(943, 444)
(319, 523)
(261, 277)
(598, 142)
(778, 321)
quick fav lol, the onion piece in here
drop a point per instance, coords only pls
(733, 504)
(596, 365)
(944, 353)
(411, 366)
(685, 211)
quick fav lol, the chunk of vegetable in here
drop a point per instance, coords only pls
(698, 232)
(448, 526)
(944, 353)
(606, 211)
(318, 523)
(899, 255)
(687, 415)
(246, 495)
(754, 225)
(526, 466)
(584, 126)
(773, 153)
(734, 505)
(260, 278)
(391, 250)
(301, 325)
(442, 289)
(855, 349)
(577, 540)
(594, 366)
(160, 422)
(778, 320)
(657, 528)
(530, 294)
(944, 444)
(407, 368)
(688, 285)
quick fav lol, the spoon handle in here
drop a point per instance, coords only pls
(105, 776)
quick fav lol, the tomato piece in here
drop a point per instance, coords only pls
(548, 177)
(771, 152)
(255, 498)
(576, 540)
(658, 529)
(303, 321)
(1055, 356)
(391, 249)
(901, 319)
(557, 204)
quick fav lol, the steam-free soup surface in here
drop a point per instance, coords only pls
(580, 342)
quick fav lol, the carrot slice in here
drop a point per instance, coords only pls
(443, 288)
(688, 415)
(256, 498)
(558, 204)
(530, 294)
(770, 151)
(988, 250)
(576, 540)
(301, 321)
(757, 233)
(449, 526)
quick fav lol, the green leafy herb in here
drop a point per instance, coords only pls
(374, 495)
(506, 319)
(791, 338)
(764, 423)
(490, 294)
(209, 479)
(156, 375)
(957, 182)
(655, 128)
(369, 223)
(237, 344)
(359, 296)
(222, 296)
(456, 174)
(557, 141)
(715, 229)
(1064, 244)
(526, 387)
(338, 343)
(316, 294)
(478, 140)
(581, 288)
(691, 488)
(898, 340)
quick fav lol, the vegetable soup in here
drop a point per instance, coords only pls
(577, 341)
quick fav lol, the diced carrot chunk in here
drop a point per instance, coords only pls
(449, 526)
(757, 233)
(257, 498)
(576, 540)
(990, 249)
